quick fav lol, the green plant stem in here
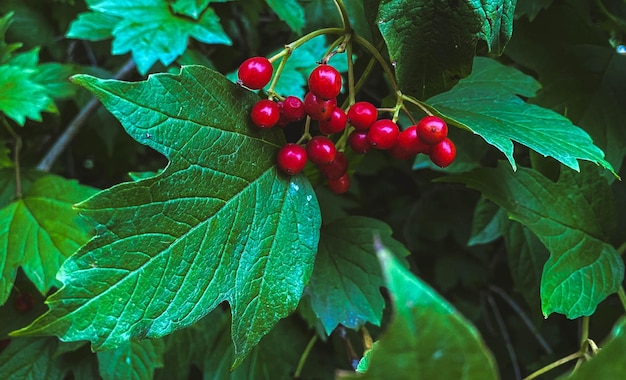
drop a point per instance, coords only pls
(304, 39)
(279, 70)
(345, 20)
(304, 356)
(76, 124)
(412, 100)
(16, 157)
(351, 90)
(306, 135)
(376, 54)
(554, 365)
(584, 340)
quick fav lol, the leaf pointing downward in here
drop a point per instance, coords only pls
(218, 224)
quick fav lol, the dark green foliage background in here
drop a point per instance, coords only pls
(489, 251)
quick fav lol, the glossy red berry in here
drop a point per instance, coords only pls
(443, 153)
(321, 150)
(362, 115)
(325, 82)
(336, 123)
(339, 185)
(410, 142)
(293, 109)
(432, 130)
(265, 113)
(383, 134)
(337, 168)
(255, 72)
(317, 108)
(291, 158)
(358, 142)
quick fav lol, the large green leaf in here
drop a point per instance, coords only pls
(427, 337)
(132, 360)
(487, 104)
(346, 281)
(609, 363)
(40, 230)
(432, 43)
(220, 223)
(147, 28)
(573, 218)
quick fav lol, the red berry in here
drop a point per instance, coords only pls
(317, 108)
(293, 109)
(358, 141)
(362, 115)
(336, 123)
(443, 153)
(291, 158)
(321, 150)
(337, 168)
(265, 113)
(383, 134)
(432, 130)
(339, 185)
(24, 302)
(410, 142)
(255, 72)
(399, 153)
(325, 82)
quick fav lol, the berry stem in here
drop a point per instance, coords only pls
(351, 90)
(412, 100)
(306, 135)
(270, 91)
(304, 357)
(376, 54)
(304, 39)
(345, 20)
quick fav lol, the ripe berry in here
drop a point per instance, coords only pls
(358, 142)
(24, 302)
(321, 150)
(383, 134)
(325, 82)
(337, 168)
(339, 185)
(255, 72)
(293, 109)
(410, 142)
(443, 153)
(432, 130)
(399, 153)
(291, 158)
(336, 123)
(317, 108)
(265, 113)
(362, 115)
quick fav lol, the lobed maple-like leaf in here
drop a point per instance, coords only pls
(220, 223)
(150, 29)
(345, 285)
(40, 230)
(487, 104)
(573, 218)
(132, 360)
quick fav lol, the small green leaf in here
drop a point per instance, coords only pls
(148, 29)
(191, 8)
(427, 338)
(31, 359)
(39, 231)
(55, 78)
(290, 12)
(132, 360)
(609, 362)
(220, 223)
(573, 218)
(432, 43)
(486, 104)
(345, 285)
(93, 26)
(487, 223)
(6, 49)
(21, 97)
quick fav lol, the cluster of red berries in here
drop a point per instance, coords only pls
(429, 136)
